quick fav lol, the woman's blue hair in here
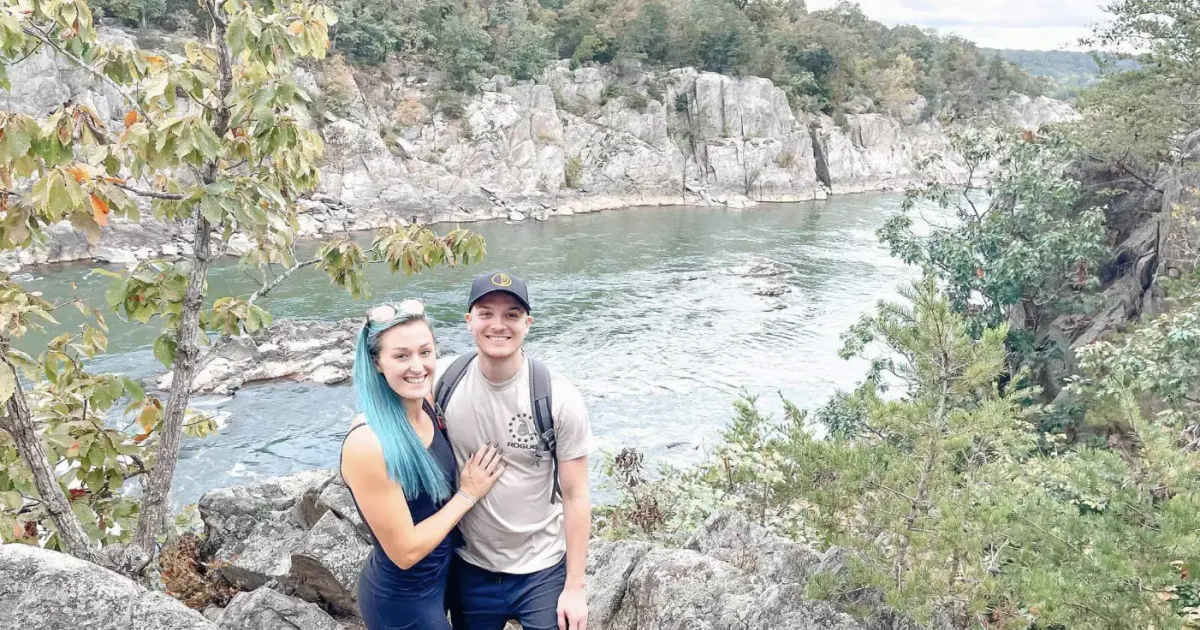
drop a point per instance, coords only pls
(408, 462)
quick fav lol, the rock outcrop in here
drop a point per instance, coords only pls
(267, 609)
(1152, 225)
(48, 590)
(572, 141)
(287, 544)
(317, 352)
(730, 575)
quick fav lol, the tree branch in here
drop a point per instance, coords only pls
(44, 37)
(280, 278)
(18, 422)
(151, 193)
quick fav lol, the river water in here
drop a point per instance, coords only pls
(638, 307)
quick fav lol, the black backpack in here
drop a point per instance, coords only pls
(539, 399)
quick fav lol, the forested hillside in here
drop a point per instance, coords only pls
(1067, 72)
(828, 60)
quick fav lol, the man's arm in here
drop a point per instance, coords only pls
(577, 522)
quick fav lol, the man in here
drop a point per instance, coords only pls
(525, 547)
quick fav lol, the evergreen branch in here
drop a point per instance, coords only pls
(1051, 534)
(893, 491)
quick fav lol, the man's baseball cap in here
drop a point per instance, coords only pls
(499, 281)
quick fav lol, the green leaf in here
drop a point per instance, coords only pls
(11, 500)
(133, 388)
(164, 349)
(8, 384)
(17, 139)
(211, 208)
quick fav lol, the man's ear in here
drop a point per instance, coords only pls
(529, 320)
(467, 318)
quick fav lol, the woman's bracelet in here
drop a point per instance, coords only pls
(468, 497)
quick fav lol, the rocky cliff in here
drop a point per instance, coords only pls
(295, 545)
(571, 141)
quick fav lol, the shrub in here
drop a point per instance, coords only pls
(573, 172)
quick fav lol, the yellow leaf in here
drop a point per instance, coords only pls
(80, 175)
(296, 28)
(131, 118)
(99, 210)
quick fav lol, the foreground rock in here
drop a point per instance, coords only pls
(284, 542)
(266, 609)
(732, 575)
(47, 590)
(286, 533)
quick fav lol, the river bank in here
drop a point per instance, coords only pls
(568, 142)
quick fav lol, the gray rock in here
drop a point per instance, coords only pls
(232, 513)
(252, 530)
(732, 538)
(608, 569)
(326, 565)
(735, 139)
(48, 590)
(336, 497)
(266, 609)
(304, 351)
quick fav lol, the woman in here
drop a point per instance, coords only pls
(401, 472)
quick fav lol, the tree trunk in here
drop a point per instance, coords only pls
(157, 486)
(18, 422)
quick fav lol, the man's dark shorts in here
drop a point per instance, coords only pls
(484, 600)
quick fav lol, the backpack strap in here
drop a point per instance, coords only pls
(439, 420)
(543, 417)
(448, 382)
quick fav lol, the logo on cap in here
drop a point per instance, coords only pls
(502, 280)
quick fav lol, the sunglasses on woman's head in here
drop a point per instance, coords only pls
(385, 313)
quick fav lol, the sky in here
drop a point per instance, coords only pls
(1023, 24)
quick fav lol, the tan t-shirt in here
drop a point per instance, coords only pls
(515, 528)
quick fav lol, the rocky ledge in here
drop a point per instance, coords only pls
(316, 352)
(294, 546)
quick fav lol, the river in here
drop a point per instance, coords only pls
(637, 307)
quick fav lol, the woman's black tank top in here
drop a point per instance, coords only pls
(426, 577)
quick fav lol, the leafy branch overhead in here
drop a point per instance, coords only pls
(210, 140)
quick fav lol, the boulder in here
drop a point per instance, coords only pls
(266, 609)
(42, 589)
(327, 563)
(730, 537)
(251, 531)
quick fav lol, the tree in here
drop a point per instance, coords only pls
(1133, 119)
(462, 47)
(956, 513)
(210, 142)
(1019, 249)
